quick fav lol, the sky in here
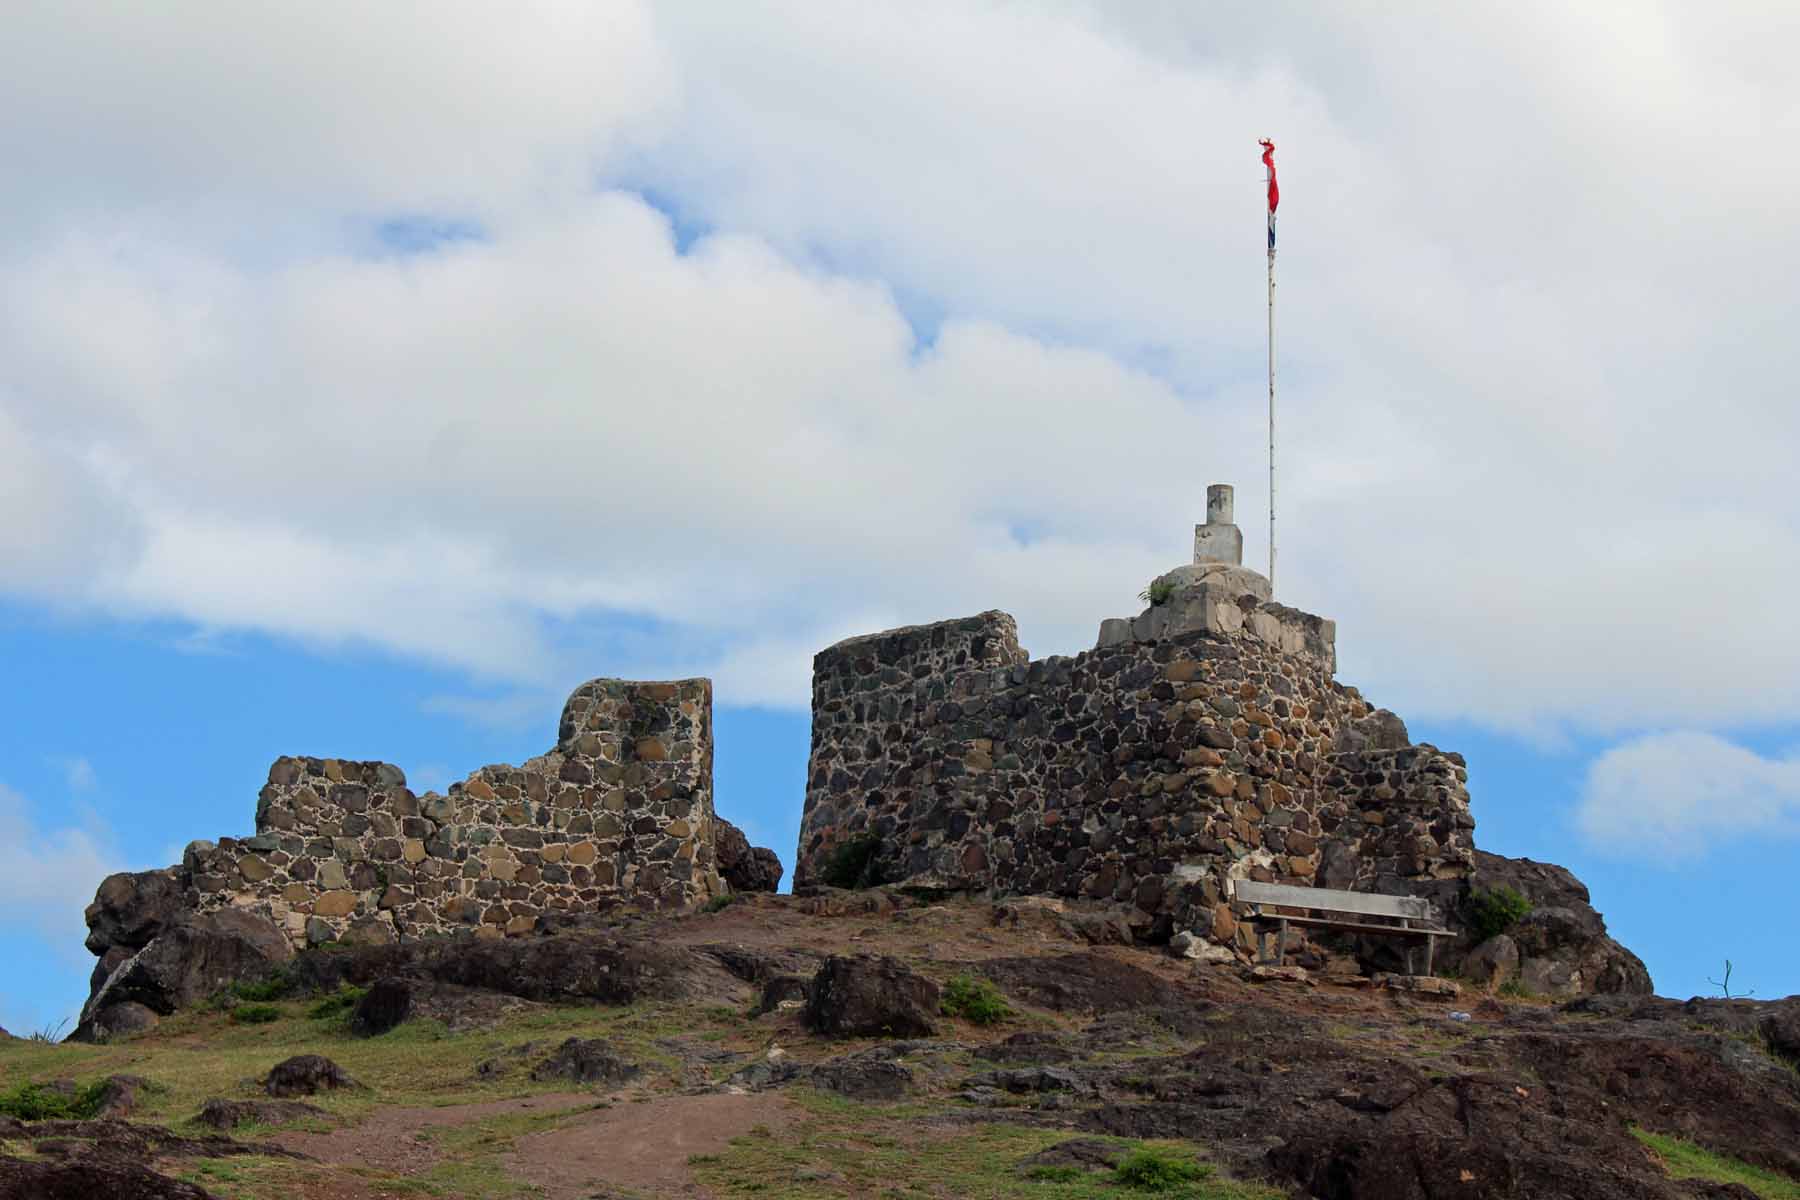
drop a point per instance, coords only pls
(367, 383)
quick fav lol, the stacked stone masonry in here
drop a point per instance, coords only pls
(620, 812)
(1148, 771)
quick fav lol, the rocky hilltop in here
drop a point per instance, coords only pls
(882, 1043)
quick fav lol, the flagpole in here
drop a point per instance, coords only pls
(1269, 158)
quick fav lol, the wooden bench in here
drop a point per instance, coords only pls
(1283, 904)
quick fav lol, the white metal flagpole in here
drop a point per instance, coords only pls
(1269, 160)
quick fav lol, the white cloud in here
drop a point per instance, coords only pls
(79, 774)
(48, 874)
(1679, 794)
(1535, 301)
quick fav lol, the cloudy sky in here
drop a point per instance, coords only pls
(367, 381)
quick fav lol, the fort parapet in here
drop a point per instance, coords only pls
(1204, 739)
(620, 811)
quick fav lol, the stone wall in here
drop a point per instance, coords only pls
(620, 811)
(1149, 771)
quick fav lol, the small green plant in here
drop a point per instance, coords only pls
(855, 863)
(36, 1102)
(720, 903)
(1153, 1171)
(1158, 592)
(974, 1000)
(337, 1003)
(1054, 1174)
(255, 1014)
(1493, 911)
(49, 1035)
(1515, 989)
(1724, 985)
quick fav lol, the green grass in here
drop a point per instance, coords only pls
(1685, 1160)
(890, 1151)
(1493, 911)
(336, 1004)
(1149, 1170)
(974, 1000)
(255, 1014)
(36, 1102)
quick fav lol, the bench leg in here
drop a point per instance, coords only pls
(1409, 959)
(1430, 945)
(1281, 945)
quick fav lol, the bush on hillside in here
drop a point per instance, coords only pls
(854, 864)
(1493, 911)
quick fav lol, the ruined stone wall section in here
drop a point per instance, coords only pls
(619, 812)
(1147, 772)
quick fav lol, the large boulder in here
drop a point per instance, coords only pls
(131, 908)
(306, 1075)
(1562, 943)
(593, 1060)
(745, 867)
(188, 961)
(868, 995)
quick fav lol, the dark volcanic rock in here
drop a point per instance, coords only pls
(871, 996)
(745, 867)
(1563, 946)
(782, 989)
(1089, 1153)
(862, 1078)
(132, 908)
(44, 1179)
(1092, 983)
(306, 1075)
(587, 1061)
(108, 1160)
(116, 1020)
(119, 1095)
(188, 961)
(229, 1114)
(1032, 1046)
(386, 1004)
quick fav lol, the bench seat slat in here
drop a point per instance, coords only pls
(1366, 903)
(1337, 924)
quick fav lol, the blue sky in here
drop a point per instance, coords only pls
(361, 393)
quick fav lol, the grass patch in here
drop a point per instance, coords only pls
(337, 1004)
(886, 1150)
(1684, 1160)
(36, 1102)
(255, 1014)
(1149, 1170)
(1493, 911)
(974, 1000)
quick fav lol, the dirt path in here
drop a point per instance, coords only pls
(388, 1139)
(642, 1148)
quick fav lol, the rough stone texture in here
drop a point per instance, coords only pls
(1563, 946)
(188, 961)
(593, 1060)
(867, 995)
(306, 1075)
(745, 867)
(1149, 771)
(1493, 963)
(620, 812)
(227, 1115)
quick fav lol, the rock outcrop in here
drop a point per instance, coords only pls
(867, 995)
(745, 867)
(191, 956)
(1562, 945)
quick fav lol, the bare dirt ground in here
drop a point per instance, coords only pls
(642, 1149)
(390, 1139)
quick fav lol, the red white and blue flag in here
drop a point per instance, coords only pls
(1268, 157)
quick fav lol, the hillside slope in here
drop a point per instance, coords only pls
(785, 1046)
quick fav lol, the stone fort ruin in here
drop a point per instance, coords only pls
(1204, 739)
